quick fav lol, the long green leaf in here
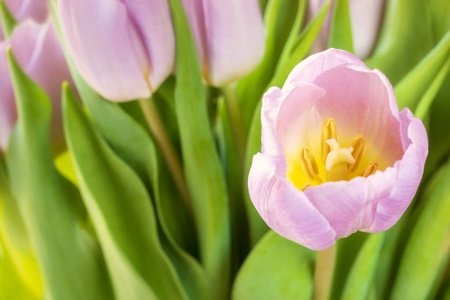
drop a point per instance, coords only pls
(68, 256)
(276, 269)
(204, 173)
(7, 20)
(121, 212)
(132, 143)
(410, 90)
(283, 20)
(406, 37)
(341, 27)
(423, 255)
(302, 46)
(361, 275)
(19, 270)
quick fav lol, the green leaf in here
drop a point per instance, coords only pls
(275, 269)
(7, 20)
(341, 27)
(406, 37)
(203, 171)
(283, 20)
(132, 143)
(424, 252)
(126, 230)
(362, 273)
(430, 94)
(19, 270)
(301, 48)
(68, 256)
(413, 86)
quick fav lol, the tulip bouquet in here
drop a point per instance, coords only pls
(211, 149)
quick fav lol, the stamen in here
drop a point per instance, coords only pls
(309, 165)
(328, 132)
(371, 169)
(358, 148)
(307, 185)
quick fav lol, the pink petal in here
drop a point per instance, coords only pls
(308, 69)
(410, 171)
(22, 9)
(37, 50)
(153, 20)
(8, 113)
(366, 17)
(106, 47)
(350, 205)
(286, 209)
(232, 39)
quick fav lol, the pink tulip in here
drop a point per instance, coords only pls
(337, 156)
(365, 15)
(38, 52)
(23, 9)
(229, 36)
(123, 48)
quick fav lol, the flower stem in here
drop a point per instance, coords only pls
(166, 146)
(236, 122)
(323, 274)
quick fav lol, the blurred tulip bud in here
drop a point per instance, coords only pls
(229, 36)
(124, 49)
(38, 52)
(23, 9)
(366, 17)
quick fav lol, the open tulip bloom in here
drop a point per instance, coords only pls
(337, 156)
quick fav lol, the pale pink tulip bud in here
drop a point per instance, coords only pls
(124, 49)
(366, 17)
(229, 36)
(337, 156)
(38, 52)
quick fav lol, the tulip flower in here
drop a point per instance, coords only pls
(229, 36)
(365, 15)
(124, 49)
(38, 52)
(337, 156)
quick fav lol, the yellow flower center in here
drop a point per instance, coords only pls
(334, 163)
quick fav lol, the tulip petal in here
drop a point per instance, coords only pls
(22, 9)
(155, 24)
(36, 48)
(270, 142)
(232, 37)
(8, 113)
(313, 66)
(350, 205)
(366, 20)
(410, 170)
(106, 47)
(284, 208)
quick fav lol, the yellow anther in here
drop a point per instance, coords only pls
(371, 169)
(307, 185)
(358, 148)
(309, 164)
(328, 132)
